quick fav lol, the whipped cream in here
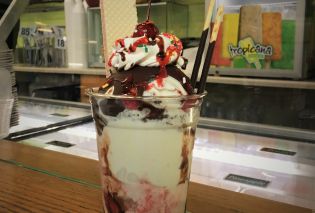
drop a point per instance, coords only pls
(165, 49)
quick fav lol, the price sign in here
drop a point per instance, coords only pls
(60, 43)
(27, 31)
(58, 31)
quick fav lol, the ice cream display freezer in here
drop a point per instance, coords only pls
(271, 168)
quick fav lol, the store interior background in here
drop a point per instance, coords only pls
(261, 128)
(269, 104)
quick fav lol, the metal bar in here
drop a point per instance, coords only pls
(44, 9)
(55, 102)
(260, 82)
(34, 132)
(61, 70)
(153, 4)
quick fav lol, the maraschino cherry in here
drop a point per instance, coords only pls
(146, 28)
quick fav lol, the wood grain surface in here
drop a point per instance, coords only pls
(67, 165)
(204, 199)
(23, 190)
(38, 180)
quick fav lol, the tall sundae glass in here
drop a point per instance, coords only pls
(145, 116)
(145, 153)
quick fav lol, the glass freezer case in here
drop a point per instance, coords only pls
(277, 169)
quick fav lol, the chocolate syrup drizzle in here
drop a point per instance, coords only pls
(133, 83)
(100, 123)
(114, 204)
(189, 135)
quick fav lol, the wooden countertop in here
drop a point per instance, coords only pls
(38, 180)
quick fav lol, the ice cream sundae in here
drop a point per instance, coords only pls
(145, 115)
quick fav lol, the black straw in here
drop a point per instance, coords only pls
(149, 10)
(202, 43)
(207, 62)
(205, 69)
(201, 48)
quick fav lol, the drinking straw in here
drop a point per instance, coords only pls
(202, 43)
(149, 10)
(207, 62)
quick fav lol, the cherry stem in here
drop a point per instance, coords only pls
(149, 10)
